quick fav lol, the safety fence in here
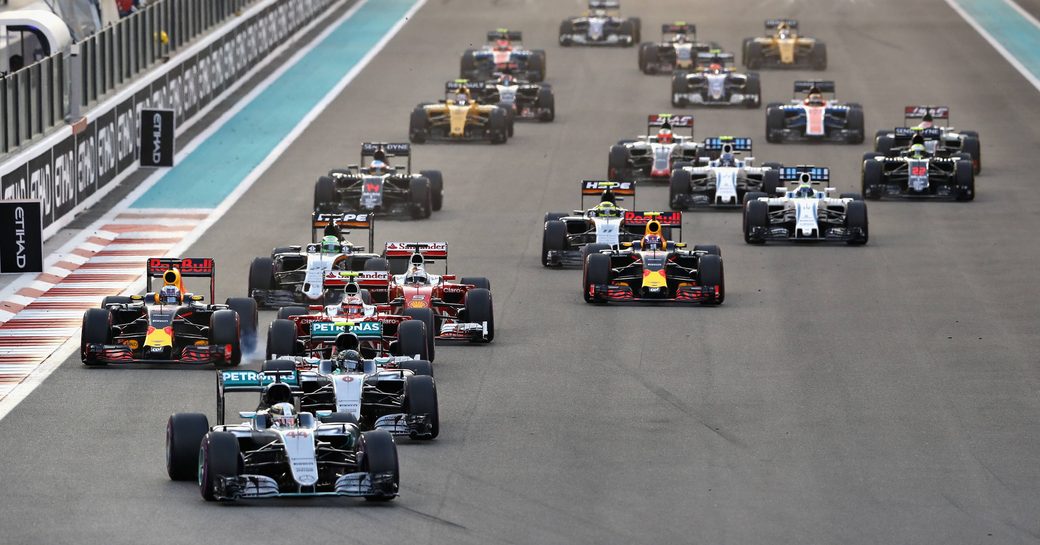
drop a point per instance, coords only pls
(39, 97)
(68, 166)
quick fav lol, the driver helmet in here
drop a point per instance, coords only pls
(506, 79)
(461, 98)
(665, 136)
(783, 31)
(715, 68)
(918, 151)
(169, 295)
(651, 242)
(727, 160)
(352, 305)
(349, 361)
(331, 245)
(378, 167)
(606, 209)
(282, 414)
(815, 97)
(926, 121)
(502, 45)
(804, 190)
(680, 38)
(599, 13)
(417, 275)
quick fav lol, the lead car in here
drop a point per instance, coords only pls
(277, 451)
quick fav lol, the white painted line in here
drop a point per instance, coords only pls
(128, 247)
(46, 332)
(41, 285)
(19, 299)
(1025, 14)
(119, 259)
(46, 314)
(997, 45)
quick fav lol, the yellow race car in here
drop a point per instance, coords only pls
(784, 48)
(460, 117)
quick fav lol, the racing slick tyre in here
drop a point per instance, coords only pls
(854, 123)
(753, 55)
(468, 64)
(856, 217)
(184, 433)
(711, 249)
(281, 338)
(479, 309)
(411, 339)
(626, 28)
(498, 126)
(753, 87)
(752, 196)
(224, 327)
(114, 300)
(679, 87)
(261, 274)
(774, 124)
(818, 57)
(637, 29)
(536, 67)
(420, 398)
(617, 164)
(648, 57)
(285, 312)
(340, 418)
(853, 196)
(510, 117)
(553, 216)
(325, 195)
(436, 187)
(593, 248)
(883, 145)
(872, 177)
(366, 296)
(421, 198)
(546, 104)
(278, 365)
(554, 237)
(566, 29)
(425, 315)
(964, 176)
(744, 50)
(476, 281)
(596, 271)
(377, 264)
(678, 187)
(419, 367)
(973, 147)
(418, 126)
(710, 273)
(97, 329)
(756, 214)
(867, 155)
(771, 182)
(378, 454)
(218, 457)
(248, 318)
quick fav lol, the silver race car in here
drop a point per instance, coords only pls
(804, 213)
(723, 181)
(677, 50)
(601, 25)
(716, 84)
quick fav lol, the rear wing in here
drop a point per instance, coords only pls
(804, 86)
(459, 84)
(364, 279)
(672, 120)
(335, 223)
(505, 34)
(907, 133)
(715, 56)
(773, 24)
(187, 267)
(738, 144)
(251, 381)
(918, 112)
(429, 250)
(640, 218)
(679, 27)
(794, 174)
(597, 187)
(604, 4)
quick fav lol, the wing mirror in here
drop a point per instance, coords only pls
(323, 413)
(247, 414)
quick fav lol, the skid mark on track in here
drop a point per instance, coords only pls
(433, 518)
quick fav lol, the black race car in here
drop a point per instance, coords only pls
(677, 50)
(916, 174)
(503, 54)
(601, 25)
(940, 139)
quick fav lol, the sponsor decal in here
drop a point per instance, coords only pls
(21, 237)
(361, 329)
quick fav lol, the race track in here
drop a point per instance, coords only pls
(879, 394)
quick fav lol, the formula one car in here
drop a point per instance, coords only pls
(677, 50)
(396, 394)
(601, 25)
(814, 118)
(916, 173)
(375, 187)
(568, 238)
(783, 47)
(169, 325)
(653, 155)
(521, 99)
(277, 450)
(293, 275)
(804, 213)
(460, 309)
(941, 140)
(503, 54)
(716, 84)
(459, 117)
(655, 269)
(316, 330)
(724, 181)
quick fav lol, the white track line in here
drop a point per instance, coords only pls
(71, 346)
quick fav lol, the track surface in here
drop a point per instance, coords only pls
(884, 394)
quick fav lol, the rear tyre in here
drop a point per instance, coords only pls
(964, 176)
(411, 339)
(418, 126)
(421, 199)
(753, 87)
(973, 147)
(753, 196)
(97, 329)
(261, 275)
(854, 123)
(709, 273)
(856, 218)
(536, 67)
(419, 367)
(184, 433)
(774, 125)
(420, 398)
(379, 455)
(678, 187)
(480, 309)
(753, 55)
(114, 300)
(883, 145)
(425, 315)
(617, 164)
(596, 272)
(711, 249)
(325, 195)
(281, 339)
(872, 177)
(218, 457)
(248, 320)
(756, 214)
(770, 182)
(593, 248)
(554, 237)
(476, 281)
(436, 187)
(546, 104)
(285, 313)
(277, 365)
(377, 264)
(679, 87)
(498, 126)
(648, 58)
(468, 64)
(224, 327)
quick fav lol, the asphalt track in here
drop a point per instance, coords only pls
(884, 394)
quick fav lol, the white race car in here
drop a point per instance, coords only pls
(723, 181)
(652, 156)
(804, 213)
(601, 25)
